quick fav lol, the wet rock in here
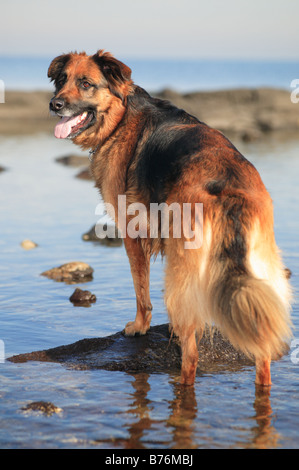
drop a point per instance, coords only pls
(85, 174)
(73, 160)
(108, 240)
(82, 298)
(28, 244)
(157, 351)
(44, 407)
(71, 273)
(288, 273)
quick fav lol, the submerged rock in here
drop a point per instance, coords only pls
(91, 236)
(44, 407)
(74, 272)
(82, 298)
(157, 351)
(73, 160)
(85, 174)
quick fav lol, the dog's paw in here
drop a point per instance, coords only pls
(131, 329)
(137, 327)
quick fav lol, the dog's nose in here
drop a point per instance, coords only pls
(56, 104)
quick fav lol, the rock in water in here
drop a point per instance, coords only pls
(44, 407)
(85, 174)
(82, 298)
(73, 160)
(91, 236)
(71, 273)
(157, 351)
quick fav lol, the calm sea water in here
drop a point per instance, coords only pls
(43, 201)
(182, 75)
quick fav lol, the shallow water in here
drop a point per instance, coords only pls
(43, 201)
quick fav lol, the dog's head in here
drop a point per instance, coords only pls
(89, 91)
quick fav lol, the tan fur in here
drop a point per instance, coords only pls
(251, 310)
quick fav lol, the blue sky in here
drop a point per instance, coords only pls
(236, 29)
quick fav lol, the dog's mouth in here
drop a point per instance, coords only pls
(70, 127)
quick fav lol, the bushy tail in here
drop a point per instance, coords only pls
(251, 315)
(249, 292)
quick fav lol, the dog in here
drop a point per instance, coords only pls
(150, 151)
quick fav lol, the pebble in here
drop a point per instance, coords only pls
(73, 272)
(45, 407)
(82, 297)
(28, 244)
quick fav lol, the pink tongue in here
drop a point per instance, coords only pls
(64, 126)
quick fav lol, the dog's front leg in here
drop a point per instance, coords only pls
(140, 269)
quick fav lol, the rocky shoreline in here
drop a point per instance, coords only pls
(247, 114)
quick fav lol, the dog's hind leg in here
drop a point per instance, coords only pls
(263, 374)
(189, 356)
(182, 299)
(140, 269)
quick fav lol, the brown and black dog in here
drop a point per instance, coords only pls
(152, 152)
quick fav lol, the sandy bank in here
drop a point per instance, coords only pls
(245, 113)
(26, 113)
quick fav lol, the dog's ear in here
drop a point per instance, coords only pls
(115, 72)
(57, 66)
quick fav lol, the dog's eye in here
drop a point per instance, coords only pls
(85, 85)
